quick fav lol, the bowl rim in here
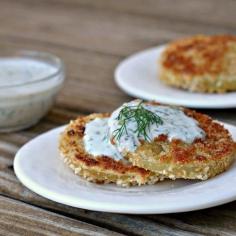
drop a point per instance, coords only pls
(35, 55)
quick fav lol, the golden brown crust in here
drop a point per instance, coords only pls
(200, 160)
(201, 63)
(101, 169)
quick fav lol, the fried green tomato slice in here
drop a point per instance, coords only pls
(200, 63)
(201, 159)
(99, 169)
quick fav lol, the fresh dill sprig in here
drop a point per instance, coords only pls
(143, 118)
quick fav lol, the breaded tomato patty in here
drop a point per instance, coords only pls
(201, 159)
(99, 169)
(200, 64)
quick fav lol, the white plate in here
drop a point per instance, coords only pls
(40, 168)
(138, 76)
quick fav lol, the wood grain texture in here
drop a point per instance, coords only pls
(219, 220)
(215, 12)
(131, 225)
(92, 37)
(112, 32)
(17, 218)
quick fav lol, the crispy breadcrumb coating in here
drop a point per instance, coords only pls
(200, 64)
(201, 159)
(152, 161)
(101, 169)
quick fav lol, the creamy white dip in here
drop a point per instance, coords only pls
(17, 71)
(97, 140)
(176, 125)
(27, 89)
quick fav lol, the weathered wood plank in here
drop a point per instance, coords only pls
(132, 225)
(111, 32)
(214, 221)
(7, 151)
(60, 116)
(18, 218)
(215, 12)
(14, 138)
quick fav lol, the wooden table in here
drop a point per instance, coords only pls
(92, 37)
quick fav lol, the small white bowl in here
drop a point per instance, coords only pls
(29, 82)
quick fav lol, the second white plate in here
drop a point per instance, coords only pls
(40, 168)
(138, 76)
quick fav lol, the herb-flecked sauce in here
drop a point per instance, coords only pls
(23, 99)
(97, 141)
(17, 71)
(176, 125)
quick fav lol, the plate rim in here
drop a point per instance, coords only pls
(95, 206)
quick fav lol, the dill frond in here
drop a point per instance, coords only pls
(143, 118)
